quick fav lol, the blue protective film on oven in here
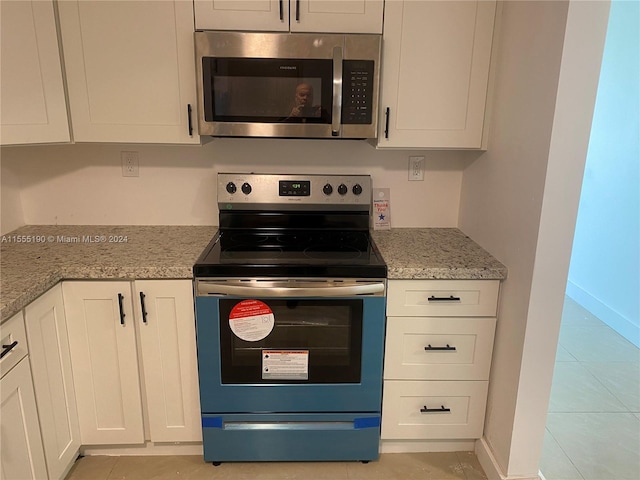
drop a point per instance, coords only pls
(212, 422)
(368, 422)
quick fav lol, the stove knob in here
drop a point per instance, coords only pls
(342, 189)
(246, 188)
(357, 189)
(327, 189)
(231, 187)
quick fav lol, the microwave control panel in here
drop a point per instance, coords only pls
(357, 91)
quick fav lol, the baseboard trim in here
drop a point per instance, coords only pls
(149, 448)
(604, 312)
(418, 446)
(490, 465)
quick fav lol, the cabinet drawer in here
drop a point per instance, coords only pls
(12, 331)
(453, 409)
(442, 298)
(438, 348)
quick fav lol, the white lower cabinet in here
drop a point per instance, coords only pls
(438, 350)
(168, 347)
(21, 451)
(46, 327)
(108, 355)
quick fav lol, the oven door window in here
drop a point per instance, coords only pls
(267, 90)
(324, 339)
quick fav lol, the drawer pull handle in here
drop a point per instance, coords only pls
(433, 410)
(8, 348)
(450, 298)
(448, 348)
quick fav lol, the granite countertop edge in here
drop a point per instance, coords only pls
(28, 271)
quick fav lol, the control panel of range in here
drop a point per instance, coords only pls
(303, 190)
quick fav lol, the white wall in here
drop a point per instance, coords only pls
(11, 214)
(83, 184)
(519, 201)
(604, 276)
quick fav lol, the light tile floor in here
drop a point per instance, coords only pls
(390, 466)
(593, 424)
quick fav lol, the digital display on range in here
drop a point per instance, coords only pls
(295, 188)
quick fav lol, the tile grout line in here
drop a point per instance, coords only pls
(565, 454)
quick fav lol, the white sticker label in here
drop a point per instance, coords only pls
(251, 320)
(285, 364)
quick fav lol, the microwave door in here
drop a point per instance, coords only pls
(270, 97)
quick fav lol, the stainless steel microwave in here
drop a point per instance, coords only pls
(290, 85)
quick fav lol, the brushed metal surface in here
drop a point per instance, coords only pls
(287, 46)
(265, 192)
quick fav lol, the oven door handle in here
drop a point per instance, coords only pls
(263, 292)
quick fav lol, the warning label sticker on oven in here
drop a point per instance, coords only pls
(285, 364)
(251, 320)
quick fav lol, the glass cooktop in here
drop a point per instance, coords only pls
(291, 253)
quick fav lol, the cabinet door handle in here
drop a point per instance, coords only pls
(144, 310)
(297, 10)
(386, 123)
(450, 298)
(190, 120)
(434, 410)
(447, 348)
(122, 315)
(282, 10)
(7, 348)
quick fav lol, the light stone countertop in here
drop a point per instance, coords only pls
(27, 270)
(64, 252)
(435, 253)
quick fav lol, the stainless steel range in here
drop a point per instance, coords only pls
(290, 311)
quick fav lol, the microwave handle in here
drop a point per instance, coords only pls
(336, 117)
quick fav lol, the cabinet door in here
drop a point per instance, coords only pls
(130, 70)
(33, 107)
(102, 342)
(255, 15)
(168, 342)
(21, 455)
(347, 16)
(435, 73)
(53, 380)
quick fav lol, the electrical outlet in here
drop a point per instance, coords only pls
(130, 165)
(416, 168)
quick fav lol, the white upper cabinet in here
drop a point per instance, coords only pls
(435, 72)
(130, 70)
(325, 16)
(32, 106)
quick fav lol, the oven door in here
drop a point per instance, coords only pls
(290, 349)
